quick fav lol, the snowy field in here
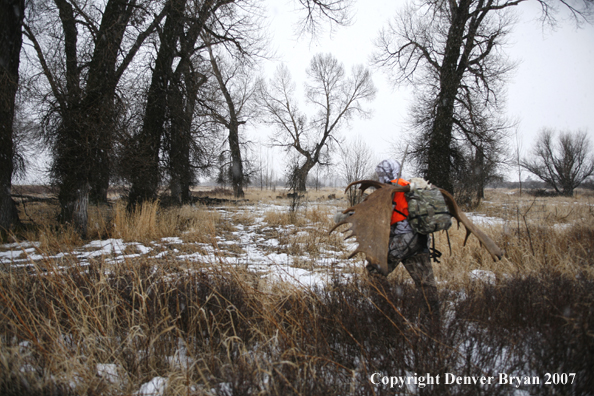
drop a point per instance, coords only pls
(302, 255)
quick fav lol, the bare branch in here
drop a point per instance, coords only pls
(319, 12)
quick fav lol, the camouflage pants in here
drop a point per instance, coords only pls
(412, 250)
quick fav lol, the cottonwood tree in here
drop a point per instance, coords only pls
(173, 67)
(563, 163)
(176, 89)
(233, 29)
(179, 45)
(229, 114)
(232, 105)
(11, 20)
(452, 53)
(477, 151)
(82, 52)
(334, 98)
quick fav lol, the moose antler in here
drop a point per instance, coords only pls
(456, 212)
(370, 223)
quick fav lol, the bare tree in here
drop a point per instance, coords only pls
(11, 20)
(452, 53)
(178, 42)
(336, 99)
(177, 90)
(563, 164)
(232, 121)
(355, 165)
(232, 70)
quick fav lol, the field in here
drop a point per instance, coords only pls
(250, 298)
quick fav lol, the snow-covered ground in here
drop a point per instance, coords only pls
(298, 255)
(301, 255)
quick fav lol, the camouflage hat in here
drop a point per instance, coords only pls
(387, 170)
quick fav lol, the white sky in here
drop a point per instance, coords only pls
(552, 86)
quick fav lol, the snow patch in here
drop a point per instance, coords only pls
(483, 275)
(109, 371)
(155, 387)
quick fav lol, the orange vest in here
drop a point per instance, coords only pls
(401, 206)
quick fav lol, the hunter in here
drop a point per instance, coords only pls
(406, 245)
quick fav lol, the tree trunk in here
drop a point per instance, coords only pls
(180, 170)
(439, 154)
(182, 103)
(301, 175)
(74, 201)
(439, 165)
(232, 125)
(236, 162)
(480, 168)
(98, 104)
(11, 19)
(143, 159)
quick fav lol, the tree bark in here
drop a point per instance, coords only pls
(182, 103)
(480, 165)
(143, 158)
(236, 161)
(232, 124)
(439, 154)
(301, 174)
(75, 202)
(98, 104)
(11, 20)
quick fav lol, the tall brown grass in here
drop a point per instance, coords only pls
(215, 333)
(147, 222)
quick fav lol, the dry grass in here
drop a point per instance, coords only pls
(224, 330)
(147, 222)
(537, 234)
(282, 218)
(280, 195)
(212, 333)
(201, 224)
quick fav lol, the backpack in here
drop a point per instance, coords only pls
(427, 210)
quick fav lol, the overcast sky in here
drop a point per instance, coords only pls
(552, 86)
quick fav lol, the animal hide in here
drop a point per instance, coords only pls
(370, 223)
